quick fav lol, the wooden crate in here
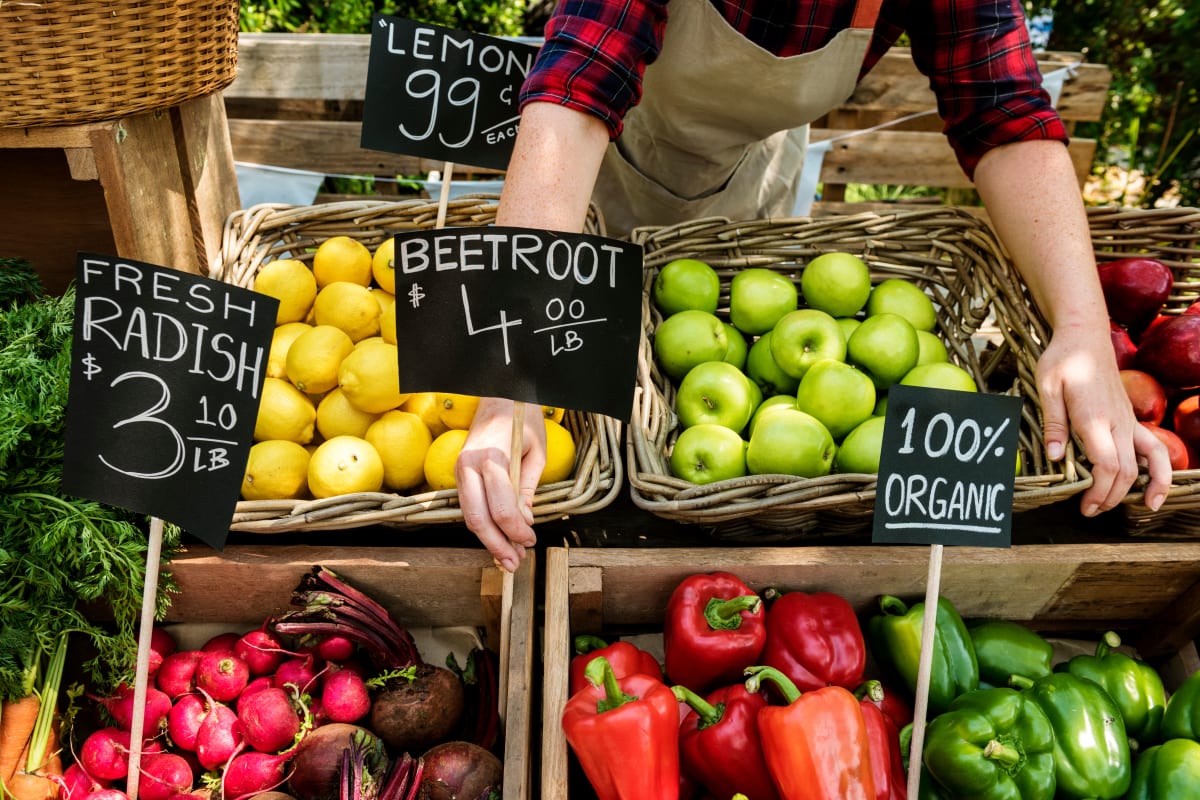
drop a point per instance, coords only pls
(422, 587)
(1149, 593)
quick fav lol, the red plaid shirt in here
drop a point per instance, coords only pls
(975, 52)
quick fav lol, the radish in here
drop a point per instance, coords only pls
(177, 675)
(163, 775)
(219, 737)
(336, 648)
(106, 794)
(105, 754)
(76, 783)
(183, 722)
(154, 717)
(261, 650)
(252, 773)
(344, 696)
(162, 644)
(269, 720)
(221, 675)
(299, 671)
(222, 641)
(255, 685)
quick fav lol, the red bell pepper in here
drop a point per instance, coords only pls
(626, 659)
(625, 733)
(816, 640)
(887, 762)
(713, 629)
(816, 745)
(893, 704)
(719, 743)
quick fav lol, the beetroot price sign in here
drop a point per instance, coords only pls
(531, 315)
(166, 374)
(443, 93)
(947, 467)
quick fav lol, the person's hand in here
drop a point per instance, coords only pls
(493, 510)
(1079, 383)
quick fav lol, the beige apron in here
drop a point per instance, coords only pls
(722, 126)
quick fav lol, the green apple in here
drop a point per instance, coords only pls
(758, 297)
(686, 283)
(738, 347)
(716, 392)
(805, 336)
(885, 347)
(763, 370)
(848, 325)
(940, 375)
(788, 441)
(767, 406)
(898, 296)
(688, 338)
(708, 453)
(881, 406)
(933, 349)
(837, 394)
(861, 449)
(836, 283)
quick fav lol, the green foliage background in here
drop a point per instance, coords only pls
(498, 17)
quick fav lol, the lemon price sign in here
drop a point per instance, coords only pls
(167, 372)
(442, 93)
(537, 316)
(946, 469)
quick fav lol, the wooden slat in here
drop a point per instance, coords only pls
(205, 156)
(318, 146)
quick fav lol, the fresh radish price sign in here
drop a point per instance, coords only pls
(441, 93)
(532, 315)
(947, 468)
(167, 370)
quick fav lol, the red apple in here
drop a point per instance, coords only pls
(1135, 289)
(1123, 345)
(1171, 352)
(1154, 323)
(1185, 420)
(1177, 449)
(1148, 396)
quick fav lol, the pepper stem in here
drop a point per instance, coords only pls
(587, 643)
(726, 615)
(1020, 681)
(599, 672)
(998, 751)
(892, 606)
(870, 690)
(756, 675)
(1109, 642)
(706, 711)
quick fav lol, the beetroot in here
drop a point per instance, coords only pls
(222, 675)
(154, 718)
(177, 675)
(414, 715)
(269, 720)
(183, 723)
(318, 761)
(459, 770)
(219, 737)
(344, 696)
(261, 650)
(252, 773)
(163, 775)
(105, 754)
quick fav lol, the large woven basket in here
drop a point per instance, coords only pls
(949, 253)
(265, 232)
(1171, 235)
(72, 61)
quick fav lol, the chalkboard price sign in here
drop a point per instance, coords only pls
(166, 374)
(947, 467)
(531, 315)
(442, 93)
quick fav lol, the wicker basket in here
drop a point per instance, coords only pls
(73, 61)
(265, 232)
(1171, 235)
(947, 252)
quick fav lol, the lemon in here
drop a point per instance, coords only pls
(370, 341)
(341, 258)
(383, 268)
(344, 465)
(276, 470)
(281, 340)
(290, 282)
(458, 410)
(348, 306)
(441, 457)
(314, 358)
(560, 453)
(387, 314)
(427, 406)
(554, 413)
(337, 416)
(370, 378)
(402, 441)
(284, 412)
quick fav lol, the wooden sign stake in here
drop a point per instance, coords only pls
(924, 668)
(444, 194)
(142, 668)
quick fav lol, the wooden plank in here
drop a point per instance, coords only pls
(521, 686)
(58, 137)
(556, 658)
(206, 158)
(327, 66)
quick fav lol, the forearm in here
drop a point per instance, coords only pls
(553, 168)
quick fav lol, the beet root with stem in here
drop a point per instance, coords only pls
(413, 715)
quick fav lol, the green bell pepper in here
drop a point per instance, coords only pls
(1091, 750)
(993, 744)
(894, 635)
(928, 788)
(1181, 718)
(1167, 771)
(1004, 648)
(1134, 685)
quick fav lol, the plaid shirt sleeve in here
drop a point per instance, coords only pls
(595, 54)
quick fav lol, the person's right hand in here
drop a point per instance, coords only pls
(499, 515)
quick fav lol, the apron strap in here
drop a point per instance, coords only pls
(866, 12)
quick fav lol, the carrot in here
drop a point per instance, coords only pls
(30, 786)
(17, 720)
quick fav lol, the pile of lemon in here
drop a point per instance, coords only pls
(332, 420)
